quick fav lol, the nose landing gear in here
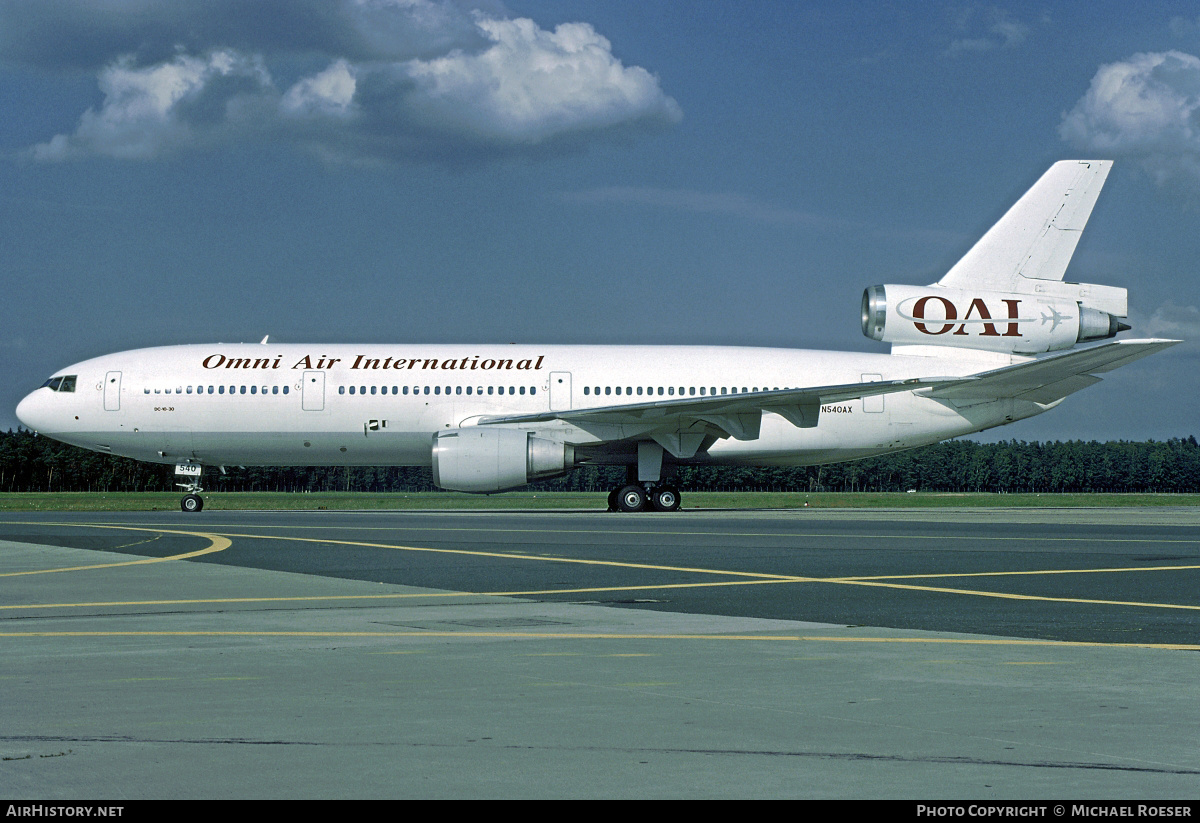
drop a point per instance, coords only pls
(192, 501)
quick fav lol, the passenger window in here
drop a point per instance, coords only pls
(522, 390)
(458, 389)
(253, 389)
(220, 389)
(533, 389)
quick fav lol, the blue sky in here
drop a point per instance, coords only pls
(594, 172)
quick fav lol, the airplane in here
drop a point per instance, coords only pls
(969, 352)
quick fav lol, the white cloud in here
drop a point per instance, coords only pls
(146, 110)
(1171, 320)
(532, 85)
(1145, 108)
(518, 88)
(987, 31)
(719, 203)
(329, 93)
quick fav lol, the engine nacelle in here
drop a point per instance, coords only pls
(485, 459)
(994, 321)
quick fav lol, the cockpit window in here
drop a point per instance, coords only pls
(64, 383)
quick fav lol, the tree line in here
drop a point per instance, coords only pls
(29, 462)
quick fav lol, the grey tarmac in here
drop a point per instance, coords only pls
(916, 654)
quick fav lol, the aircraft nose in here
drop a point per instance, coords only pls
(32, 410)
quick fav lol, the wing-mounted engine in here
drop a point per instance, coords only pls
(1050, 316)
(491, 459)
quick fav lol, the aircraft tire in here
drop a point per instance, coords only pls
(631, 499)
(192, 503)
(665, 499)
(612, 500)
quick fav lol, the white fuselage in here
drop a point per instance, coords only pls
(382, 405)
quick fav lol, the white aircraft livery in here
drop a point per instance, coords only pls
(993, 341)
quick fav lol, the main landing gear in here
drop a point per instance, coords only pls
(644, 489)
(637, 498)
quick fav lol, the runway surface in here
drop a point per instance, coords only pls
(920, 654)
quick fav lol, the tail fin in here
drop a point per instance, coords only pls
(1036, 237)
(1007, 293)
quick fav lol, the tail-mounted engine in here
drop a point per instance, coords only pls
(1056, 316)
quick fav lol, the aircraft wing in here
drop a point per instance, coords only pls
(736, 415)
(1037, 236)
(684, 422)
(1049, 378)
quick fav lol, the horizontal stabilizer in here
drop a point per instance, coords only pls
(1036, 237)
(1050, 378)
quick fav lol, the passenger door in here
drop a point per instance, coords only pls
(112, 391)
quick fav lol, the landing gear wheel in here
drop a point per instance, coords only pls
(664, 499)
(612, 500)
(192, 503)
(631, 499)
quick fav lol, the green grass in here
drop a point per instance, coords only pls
(545, 501)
